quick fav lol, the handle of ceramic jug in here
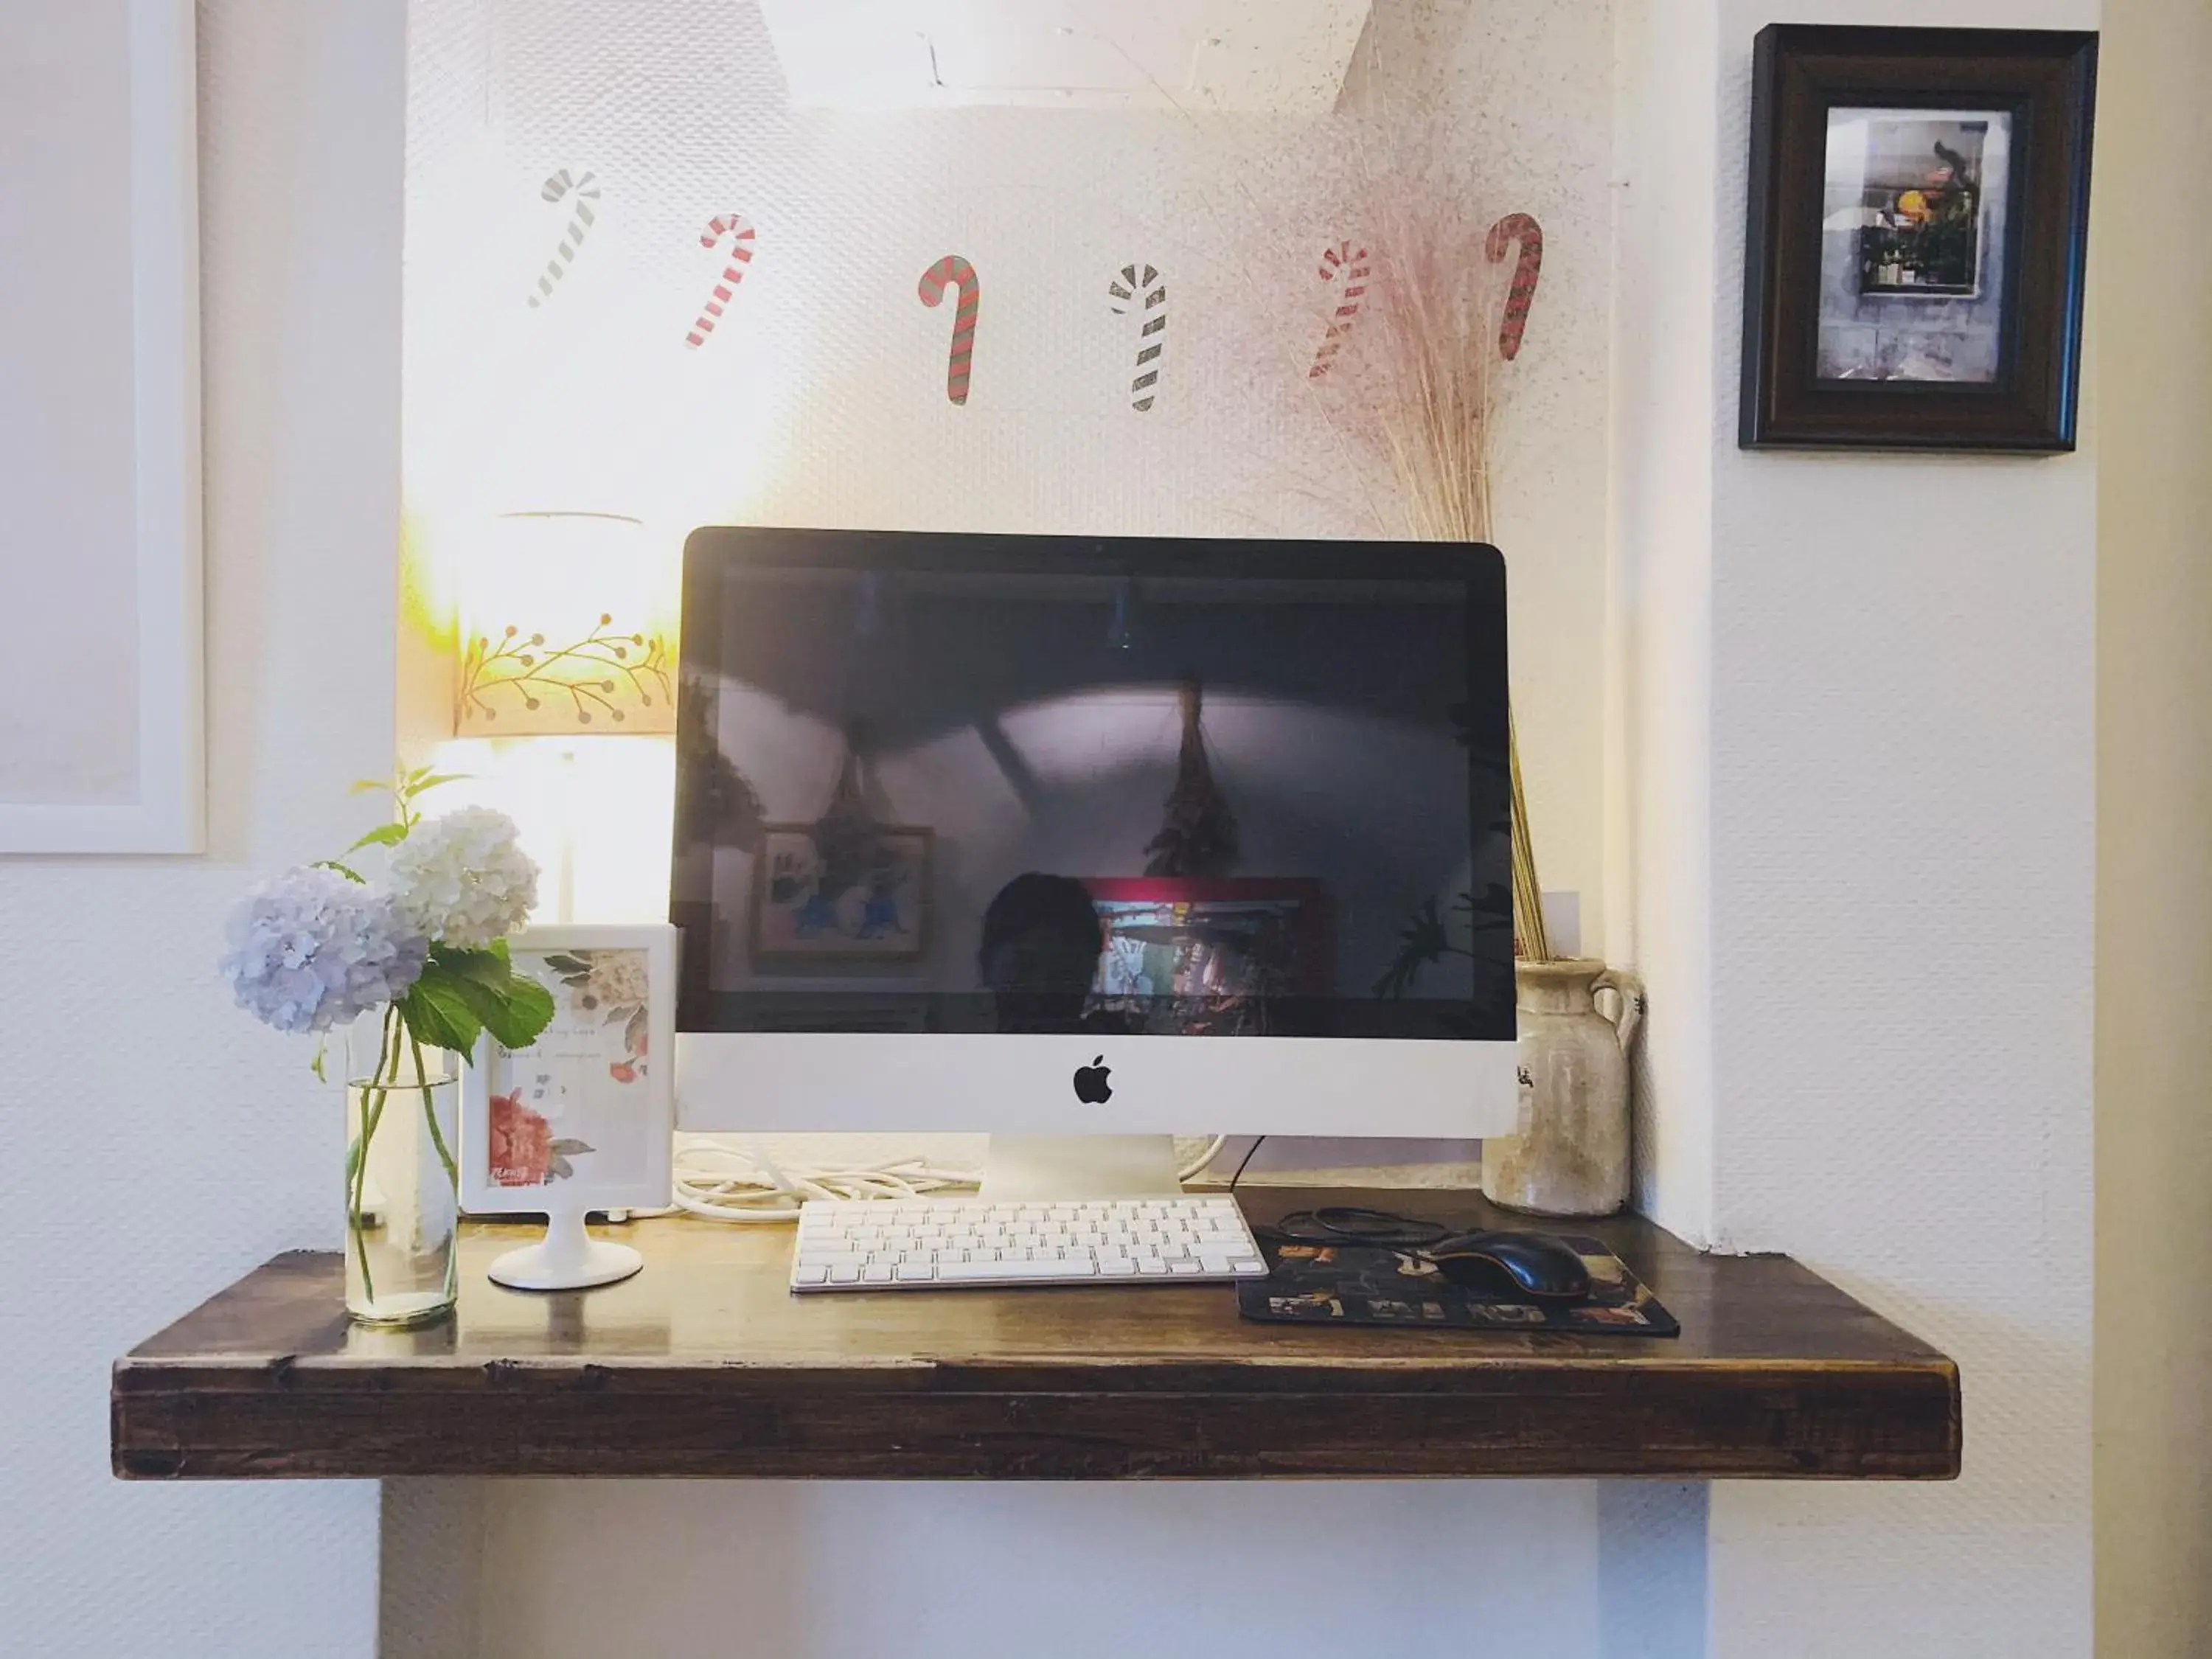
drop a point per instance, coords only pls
(1630, 989)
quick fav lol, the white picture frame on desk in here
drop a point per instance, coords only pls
(103, 748)
(585, 1118)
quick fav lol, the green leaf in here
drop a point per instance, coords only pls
(529, 1011)
(514, 1009)
(369, 787)
(515, 1013)
(489, 968)
(435, 779)
(345, 870)
(1422, 941)
(439, 1012)
(385, 835)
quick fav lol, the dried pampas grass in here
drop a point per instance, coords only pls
(1428, 382)
(1427, 375)
(1419, 385)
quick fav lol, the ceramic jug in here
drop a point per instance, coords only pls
(1569, 1153)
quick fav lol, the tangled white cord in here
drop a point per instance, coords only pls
(733, 1178)
(725, 1178)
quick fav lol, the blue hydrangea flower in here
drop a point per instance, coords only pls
(312, 950)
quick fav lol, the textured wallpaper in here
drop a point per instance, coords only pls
(573, 153)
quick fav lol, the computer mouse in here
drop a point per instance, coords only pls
(1533, 1264)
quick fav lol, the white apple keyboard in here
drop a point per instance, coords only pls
(882, 1245)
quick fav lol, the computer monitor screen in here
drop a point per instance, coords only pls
(1105, 793)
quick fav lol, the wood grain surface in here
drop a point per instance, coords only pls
(705, 1365)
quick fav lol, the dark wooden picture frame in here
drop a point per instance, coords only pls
(2043, 83)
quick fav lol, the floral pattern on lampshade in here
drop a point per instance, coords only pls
(566, 626)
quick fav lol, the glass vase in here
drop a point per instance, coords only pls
(401, 1185)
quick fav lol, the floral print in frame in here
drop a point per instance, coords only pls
(611, 986)
(583, 1108)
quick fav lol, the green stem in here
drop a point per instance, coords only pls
(430, 1115)
(446, 1157)
(371, 1113)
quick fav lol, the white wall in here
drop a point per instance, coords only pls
(2153, 1462)
(1666, 411)
(1010, 1572)
(1884, 977)
(154, 1144)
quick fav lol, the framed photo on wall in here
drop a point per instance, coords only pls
(817, 906)
(101, 739)
(1917, 227)
(584, 1118)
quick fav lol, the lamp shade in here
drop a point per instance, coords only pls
(567, 627)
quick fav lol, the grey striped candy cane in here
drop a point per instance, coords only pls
(1123, 294)
(580, 217)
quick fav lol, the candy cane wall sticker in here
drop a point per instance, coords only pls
(1133, 285)
(579, 221)
(739, 230)
(1350, 263)
(954, 271)
(1517, 227)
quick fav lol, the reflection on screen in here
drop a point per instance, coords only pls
(1043, 802)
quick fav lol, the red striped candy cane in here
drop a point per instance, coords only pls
(739, 229)
(1121, 293)
(955, 271)
(1517, 227)
(1352, 263)
(579, 221)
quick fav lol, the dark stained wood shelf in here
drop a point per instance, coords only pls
(704, 1365)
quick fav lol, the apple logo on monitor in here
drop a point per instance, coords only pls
(1091, 1087)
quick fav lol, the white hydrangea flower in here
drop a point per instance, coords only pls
(463, 878)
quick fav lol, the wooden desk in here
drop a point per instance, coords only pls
(704, 1365)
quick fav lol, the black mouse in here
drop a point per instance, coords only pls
(1533, 1264)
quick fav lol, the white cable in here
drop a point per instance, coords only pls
(728, 1178)
(733, 1178)
(1197, 1166)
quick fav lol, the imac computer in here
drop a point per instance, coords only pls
(1062, 837)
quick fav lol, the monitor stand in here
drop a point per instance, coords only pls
(1062, 1168)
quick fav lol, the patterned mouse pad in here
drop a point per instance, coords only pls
(1365, 1285)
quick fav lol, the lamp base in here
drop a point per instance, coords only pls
(567, 1259)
